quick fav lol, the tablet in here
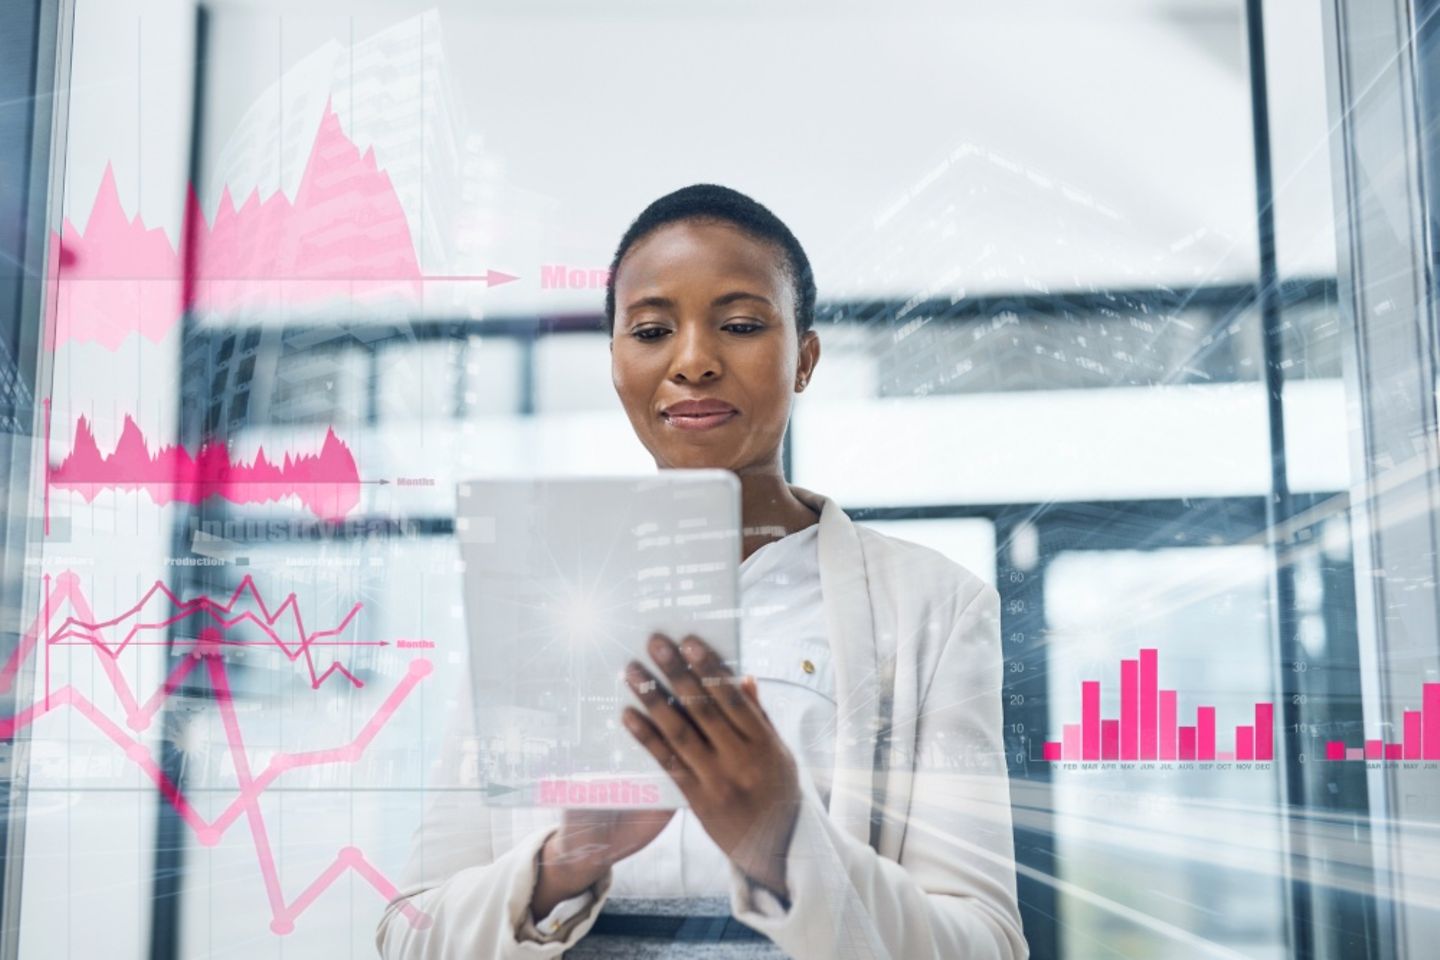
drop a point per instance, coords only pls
(565, 579)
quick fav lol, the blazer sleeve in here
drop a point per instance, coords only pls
(951, 894)
(460, 895)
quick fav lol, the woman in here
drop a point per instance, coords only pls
(848, 798)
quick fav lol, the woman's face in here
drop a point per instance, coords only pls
(704, 312)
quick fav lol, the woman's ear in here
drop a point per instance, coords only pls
(809, 357)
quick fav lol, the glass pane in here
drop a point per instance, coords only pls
(1194, 852)
(1034, 234)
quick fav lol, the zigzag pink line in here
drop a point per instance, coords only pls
(208, 650)
(80, 628)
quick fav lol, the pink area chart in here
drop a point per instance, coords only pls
(327, 482)
(343, 234)
(284, 632)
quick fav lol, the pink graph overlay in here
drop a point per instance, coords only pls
(343, 234)
(326, 482)
(1147, 728)
(284, 630)
(1420, 739)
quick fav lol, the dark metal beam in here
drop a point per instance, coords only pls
(167, 881)
(1285, 618)
(1058, 305)
(34, 98)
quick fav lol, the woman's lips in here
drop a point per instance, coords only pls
(705, 422)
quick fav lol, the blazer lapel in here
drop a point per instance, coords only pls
(845, 589)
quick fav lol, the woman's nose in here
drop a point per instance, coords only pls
(696, 356)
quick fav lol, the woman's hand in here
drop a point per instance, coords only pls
(722, 751)
(586, 844)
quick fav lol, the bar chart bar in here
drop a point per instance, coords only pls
(1167, 724)
(1244, 743)
(1264, 732)
(1149, 703)
(1205, 733)
(1129, 709)
(1187, 743)
(1109, 739)
(1430, 706)
(1412, 734)
(1090, 719)
(1071, 741)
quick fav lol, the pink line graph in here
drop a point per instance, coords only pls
(326, 482)
(208, 651)
(344, 234)
(93, 633)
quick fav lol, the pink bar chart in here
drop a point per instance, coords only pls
(1148, 730)
(1419, 736)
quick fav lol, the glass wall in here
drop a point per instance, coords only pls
(1101, 293)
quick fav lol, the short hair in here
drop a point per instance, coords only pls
(710, 202)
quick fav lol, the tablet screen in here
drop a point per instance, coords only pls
(565, 580)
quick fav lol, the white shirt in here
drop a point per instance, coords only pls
(912, 856)
(783, 644)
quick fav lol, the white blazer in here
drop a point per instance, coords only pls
(914, 857)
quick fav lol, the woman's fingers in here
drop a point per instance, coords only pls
(669, 719)
(743, 712)
(713, 725)
(650, 737)
(698, 697)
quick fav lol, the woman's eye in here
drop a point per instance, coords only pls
(741, 327)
